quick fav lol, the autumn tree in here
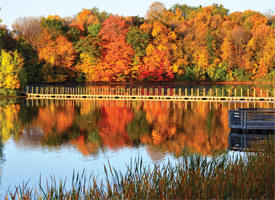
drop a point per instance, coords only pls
(53, 24)
(101, 16)
(185, 9)
(89, 55)
(155, 10)
(156, 65)
(11, 76)
(84, 19)
(28, 27)
(116, 54)
(58, 53)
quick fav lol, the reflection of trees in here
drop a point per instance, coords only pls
(112, 126)
(138, 126)
(55, 119)
(166, 126)
(9, 124)
(204, 130)
(155, 153)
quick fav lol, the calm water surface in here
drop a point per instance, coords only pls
(43, 138)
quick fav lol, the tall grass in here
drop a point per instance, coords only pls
(192, 177)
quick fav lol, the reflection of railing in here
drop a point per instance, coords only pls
(149, 93)
(138, 102)
(245, 142)
(252, 119)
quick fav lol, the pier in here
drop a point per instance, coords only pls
(156, 94)
(255, 119)
(250, 126)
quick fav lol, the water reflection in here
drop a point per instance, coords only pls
(46, 137)
(91, 126)
(246, 142)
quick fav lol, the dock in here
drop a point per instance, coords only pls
(252, 120)
(156, 94)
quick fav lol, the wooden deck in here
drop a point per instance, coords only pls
(156, 94)
(252, 119)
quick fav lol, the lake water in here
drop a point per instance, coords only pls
(44, 138)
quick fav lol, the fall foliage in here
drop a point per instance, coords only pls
(181, 43)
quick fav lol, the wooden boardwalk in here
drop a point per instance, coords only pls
(252, 119)
(156, 94)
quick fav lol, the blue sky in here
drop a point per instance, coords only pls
(12, 9)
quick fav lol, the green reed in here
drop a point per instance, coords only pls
(192, 177)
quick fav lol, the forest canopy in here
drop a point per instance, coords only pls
(181, 43)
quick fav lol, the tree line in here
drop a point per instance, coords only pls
(182, 43)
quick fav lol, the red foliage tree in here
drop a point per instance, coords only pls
(116, 54)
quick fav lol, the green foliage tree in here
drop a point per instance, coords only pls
(139, 41)
(90, 46)
(32, 65)
(102, 16)
(54, 25)
(94, 29)
(185, 9)
(6, 39)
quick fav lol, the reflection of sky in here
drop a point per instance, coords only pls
(26, 159)
(23, 164)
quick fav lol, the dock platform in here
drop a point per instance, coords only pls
(252, 119)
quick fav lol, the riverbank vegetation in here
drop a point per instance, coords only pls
(193, 177)
(182, 43)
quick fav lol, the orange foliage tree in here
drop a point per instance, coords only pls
(56, 51)
(116, 55)
(84, 19)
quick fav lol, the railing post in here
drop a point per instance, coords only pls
(185, 93)
(179, 91)
(245, 119)
(192, 92)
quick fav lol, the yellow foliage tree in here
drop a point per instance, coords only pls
(10, 70)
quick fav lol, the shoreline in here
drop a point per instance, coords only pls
(159, 83)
